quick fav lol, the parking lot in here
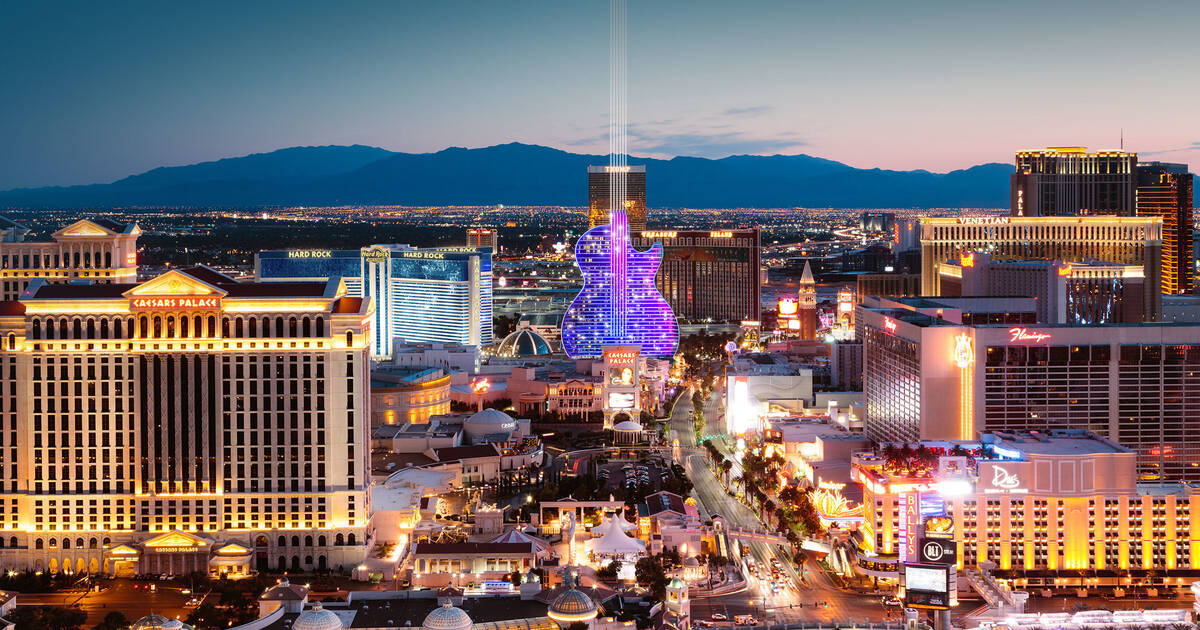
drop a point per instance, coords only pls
(647, 474)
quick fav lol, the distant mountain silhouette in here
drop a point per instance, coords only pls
(521, 174)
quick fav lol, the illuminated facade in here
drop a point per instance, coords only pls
(1093, 292)
(98, 250)
(709, 274)
(1123, 240)
(599, 196)
(408, 394)
(1136, 384)
(1165, 191)
(1066, 181)
(1036, 505)
(482, 237)
(439, 295)
(226, 412)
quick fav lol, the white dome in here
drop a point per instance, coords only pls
(317, 618)
(446, 618)
(628, 425)
(158, 622)
(488, 421)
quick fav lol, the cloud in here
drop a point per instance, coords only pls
(748, 112)
(1195, 146)
(708, 144)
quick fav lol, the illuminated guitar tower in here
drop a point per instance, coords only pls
(619, 304)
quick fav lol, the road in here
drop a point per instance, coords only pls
(795, 600)
(133, 599)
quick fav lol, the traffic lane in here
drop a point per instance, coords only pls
(133, 599)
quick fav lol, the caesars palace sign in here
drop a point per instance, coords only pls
(190, 302)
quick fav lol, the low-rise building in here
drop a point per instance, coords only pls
(408, 393)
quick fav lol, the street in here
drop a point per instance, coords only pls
(792, 604)
(134, 599)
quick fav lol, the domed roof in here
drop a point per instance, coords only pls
(447, 617)
(317, 618)
(158, 622)
(524, 342)
(628, 425)
(488, 421)
(572, 605)
(677, 583)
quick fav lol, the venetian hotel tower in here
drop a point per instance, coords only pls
(187, 423)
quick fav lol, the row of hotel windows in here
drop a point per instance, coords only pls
(175, 327)
(1100, 354)
(80, 260)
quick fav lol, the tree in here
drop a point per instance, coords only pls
(649, 573)
(48, 617)
(113, 621)
(609, 571)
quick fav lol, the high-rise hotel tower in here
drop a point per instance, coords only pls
(600, 195)
(187, 423)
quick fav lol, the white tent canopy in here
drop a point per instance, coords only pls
(614, 542)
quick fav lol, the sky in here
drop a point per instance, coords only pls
(94, 91)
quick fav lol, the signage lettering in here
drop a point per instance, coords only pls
(375, 255)
(967, 259)
(909, 519)
(621, 357)
(1020, 333)
(430, 255)
(938, 551)
(659, 234)
(889, 325)
(982, 220)
(1003, 479)
(310, 253)
(721, 234)
(172, 303)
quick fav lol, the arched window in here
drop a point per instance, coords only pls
(224, 326)
(306, 329)
(183, 326)
(308, 541)
(253, 327)
(278, 326)
(79, 543)
(349, 338)
(104, 329)
(350, 539)
(292, 328)
(238, 330)
(66, 543)
(322, 540)
(93, 543)
(308, 561)
(212, 326)
(38, 544)
(198, 327)
(170, 326)
(12, 341)
(106, 542)
(37, 329)
(143, 327)
(158, 330)
(91, 328)
(338, 540)
(320, 326)
(12, 542)
(295, 541)
(261, 541)
(77, 328)
(62, 328)
(282, 541)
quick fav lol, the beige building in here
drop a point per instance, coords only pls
(99, 250)
(232, 412)
(408, 394)
(1046, 508)
(1125, 240)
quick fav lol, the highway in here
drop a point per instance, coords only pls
(795, 599)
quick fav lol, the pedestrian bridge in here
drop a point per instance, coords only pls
(756, 535)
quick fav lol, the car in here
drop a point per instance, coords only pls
(719, 617)
(891, 601)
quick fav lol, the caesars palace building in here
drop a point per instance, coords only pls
(187, 423)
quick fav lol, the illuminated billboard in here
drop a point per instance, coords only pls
(621, 400)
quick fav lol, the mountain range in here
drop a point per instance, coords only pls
(522, 174)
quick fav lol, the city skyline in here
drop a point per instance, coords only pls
(105, 95)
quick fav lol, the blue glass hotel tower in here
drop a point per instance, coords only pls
(439, 295)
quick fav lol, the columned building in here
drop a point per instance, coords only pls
(234, 413)
(100, 251)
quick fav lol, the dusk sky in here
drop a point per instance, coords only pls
(97, 91)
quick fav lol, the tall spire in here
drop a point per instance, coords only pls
(807, 276)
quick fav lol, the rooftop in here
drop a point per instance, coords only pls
(1054, 442)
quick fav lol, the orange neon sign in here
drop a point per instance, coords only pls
(1024, 334)
(967, 259)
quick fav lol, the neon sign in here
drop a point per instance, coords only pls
(1024, 334)
(967, 259)
(131, 258)
(172, 303)
(310, 253)
(659, 234)
(964, 354)
(431, 255)
(889, 325)
(621, 357)
(982, 220)
(787, 307)
(909, 520)
(720, 234)
(375, 255)
(1003, 479)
